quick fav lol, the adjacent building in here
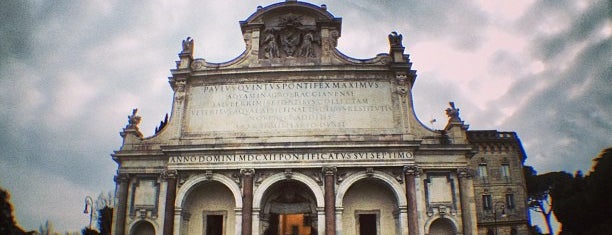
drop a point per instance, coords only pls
(295, 137)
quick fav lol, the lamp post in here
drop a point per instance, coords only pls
(502, 208)
(89, 203)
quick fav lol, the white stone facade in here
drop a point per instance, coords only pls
(294, 137)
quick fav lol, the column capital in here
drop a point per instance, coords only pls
(247, 171)
(169, 174)
(412, 170)
(329, 170)
(122, 178)
(464, 173)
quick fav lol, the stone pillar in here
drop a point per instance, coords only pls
(170, 177)
(123, 181)
(330, 200)
(468, 207)
(247, 201)
(411, 172)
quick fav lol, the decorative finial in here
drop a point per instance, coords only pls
(133, 120)
(395, 39)
(188, 45)
(453, 112)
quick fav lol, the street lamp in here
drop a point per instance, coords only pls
(502, 208)
(89, 204)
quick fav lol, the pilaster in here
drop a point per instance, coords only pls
(247, 201)
(468, 206)
(170, 177)
(330, 203)
(411, 173)
(123, 181)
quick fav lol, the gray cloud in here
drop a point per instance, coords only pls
(17, 26)
(567, 122)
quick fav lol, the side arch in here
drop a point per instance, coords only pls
(397, 189)
(312, 185)
(191, 182)
(139, 222)
(435, 218)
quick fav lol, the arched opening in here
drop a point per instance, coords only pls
(142, 228)
(288, 208)
(442, 226)
(370, 208)
(209, 208)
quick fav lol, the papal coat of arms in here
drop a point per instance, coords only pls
(290, 38)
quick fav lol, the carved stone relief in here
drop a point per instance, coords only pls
(290, 37)
(179, 91)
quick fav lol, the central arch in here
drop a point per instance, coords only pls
(288, 205)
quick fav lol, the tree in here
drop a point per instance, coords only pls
(584, 204)
(47, 229)
(534, 230)
(88, 231)
(539, 188)
(8, 224)
(105, 220)
(599, 187)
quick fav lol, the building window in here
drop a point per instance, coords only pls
(513, 231)
(483, 175)
(367, 222)
(510, 201)
(505, 172)
(214, 222)
(487, 203)
(295, 230)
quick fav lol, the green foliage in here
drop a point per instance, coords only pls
(583, 205)
(87, 231)
(534, 230)
(540, 189)
(105, 219)
(8, 225)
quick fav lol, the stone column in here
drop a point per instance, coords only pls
(170, 177)
(468, 208)
(247, 201)
(123, 181)
(330, 200)
(411, 172)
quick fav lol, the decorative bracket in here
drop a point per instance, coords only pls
(369, 171)
(208, 174)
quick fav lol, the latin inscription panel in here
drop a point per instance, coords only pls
(290, 107)
(282, 159)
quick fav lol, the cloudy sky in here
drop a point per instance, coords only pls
(71, 72)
